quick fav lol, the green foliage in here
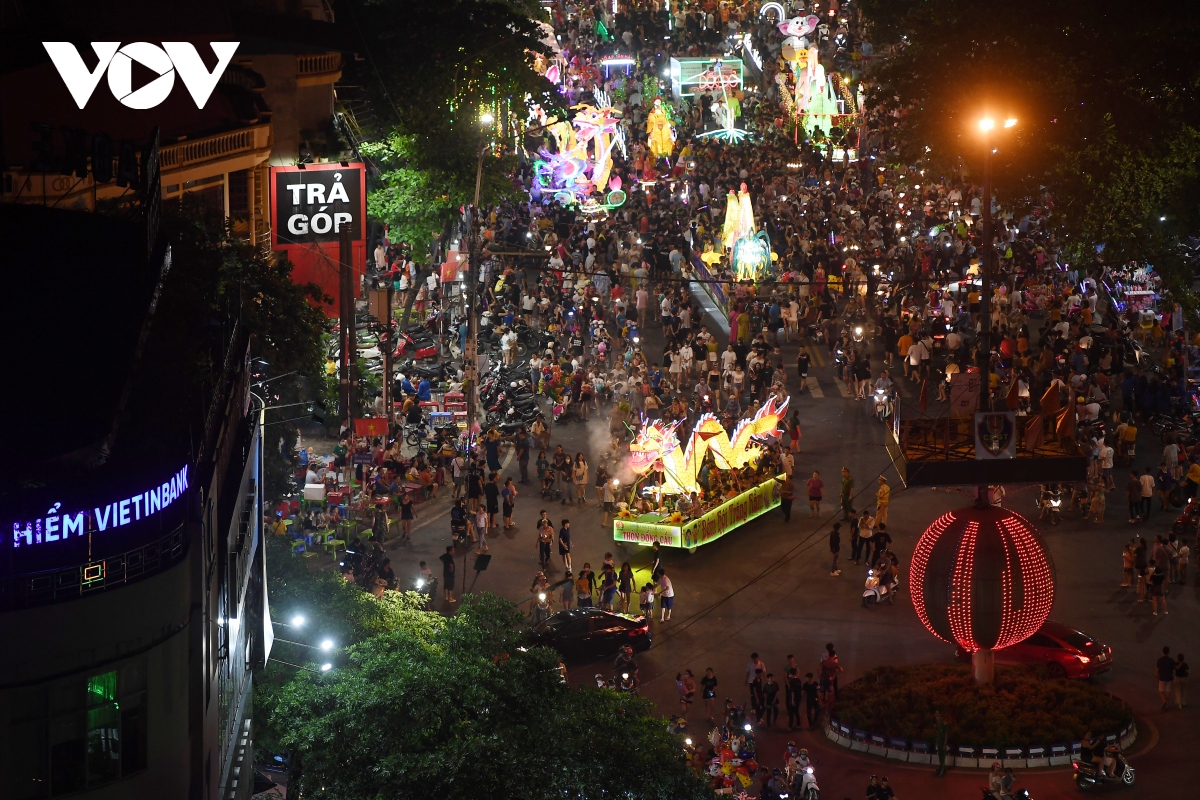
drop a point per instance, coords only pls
(454, 709)
(1023, 707)
(1107, 103)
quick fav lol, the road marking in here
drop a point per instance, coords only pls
(814, 353)
(842, 387)
(814, 388)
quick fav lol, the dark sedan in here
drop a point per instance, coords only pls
(1065, 652)
(583, 633)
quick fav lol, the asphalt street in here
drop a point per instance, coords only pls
(766, 588)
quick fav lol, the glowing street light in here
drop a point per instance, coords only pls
(326, 667)
(1010, 122)
(487, 119)
(298, 621)
(986, 124)
(327, 645)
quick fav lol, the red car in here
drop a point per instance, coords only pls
(1066, 652)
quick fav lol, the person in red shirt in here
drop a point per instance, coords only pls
(816, 491)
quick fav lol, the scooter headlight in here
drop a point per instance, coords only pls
(1055, 503)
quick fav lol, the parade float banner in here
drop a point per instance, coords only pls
(731, 514)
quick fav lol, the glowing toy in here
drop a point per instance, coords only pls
(657, 447)
(799, 26)
(727, 109)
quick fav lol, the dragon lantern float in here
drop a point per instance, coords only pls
(657, 447)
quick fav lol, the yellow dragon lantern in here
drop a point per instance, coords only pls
(656, 446)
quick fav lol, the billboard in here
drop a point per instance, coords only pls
(314, 204)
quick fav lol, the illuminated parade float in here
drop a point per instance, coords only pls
(706, 502)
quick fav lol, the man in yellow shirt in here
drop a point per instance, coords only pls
(882, 498)
(905, 342)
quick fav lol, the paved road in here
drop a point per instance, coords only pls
(767, 588)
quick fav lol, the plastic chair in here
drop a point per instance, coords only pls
(298, 547)
(331, 546)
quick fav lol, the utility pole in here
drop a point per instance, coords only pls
(349, 340)
(388, 404)
(474, 274)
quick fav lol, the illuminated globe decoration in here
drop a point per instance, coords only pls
(982, 579)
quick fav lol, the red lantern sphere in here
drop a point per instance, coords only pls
(982, 578)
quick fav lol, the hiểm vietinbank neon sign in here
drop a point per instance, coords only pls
(58, 525)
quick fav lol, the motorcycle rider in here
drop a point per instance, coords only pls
(625, 664)
(1109, 760)
(994, 779)
(1049, 493)
(883, 384)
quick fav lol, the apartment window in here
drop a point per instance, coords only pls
(78, 734)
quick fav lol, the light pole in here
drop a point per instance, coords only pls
(983, 661)
(986, 125)
(473, 273)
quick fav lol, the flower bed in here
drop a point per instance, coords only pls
(1023, 708)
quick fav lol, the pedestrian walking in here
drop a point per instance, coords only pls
(1127, 565)
(757, 697)
(1148, 486)
(1180, 682)
(793, 691)
(508, 496)
(1158, 595)
(830, 668)
(812, 700)
(666, 593)
(686, 684)
(847, 492)
(708, 691)
(407, 514)
(753, 666)
(941, 729)
(567, 592)
(856, 542)
(883, 496)
(448, 570)
(579, 474)
(491, 495)
(523, 445)
(544, 537)
(589, 585)
(816, 491)
(1133, 495)
(787, 495)
(564, 544)
(625, 585)
(835, 547)
(770, 691)
(481, 529)
(1165, 670)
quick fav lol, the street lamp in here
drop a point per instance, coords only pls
(298, 621)
(986, 125)
(473, 273)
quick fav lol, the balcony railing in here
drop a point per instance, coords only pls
(71, 583)
(184, 154)
(321, 64)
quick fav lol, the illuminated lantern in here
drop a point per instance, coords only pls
(981, 578)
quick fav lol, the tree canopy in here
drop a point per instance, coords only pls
(419, 705)
(1106, 100)
(430, 70)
